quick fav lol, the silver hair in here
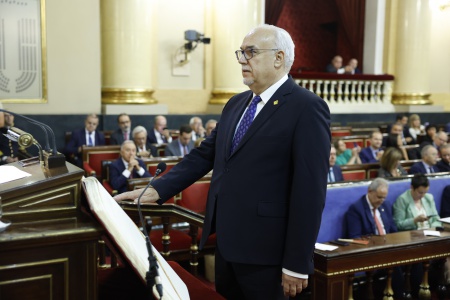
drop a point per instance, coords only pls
(283, 41)
(425, 149)
(377, 182)
(137, 130)
(125, 143)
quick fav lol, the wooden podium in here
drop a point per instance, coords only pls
(50, 250)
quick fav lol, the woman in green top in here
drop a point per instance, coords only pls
(415, 208)
(346, 156)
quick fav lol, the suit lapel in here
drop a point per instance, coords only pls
(236, 116)
(274, 103)
(369, 215)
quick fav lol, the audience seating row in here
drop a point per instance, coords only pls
(340, 196)
(368, 171)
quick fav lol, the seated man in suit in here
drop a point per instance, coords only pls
(183, 145)
(159, 134)
(373, 153)
(8, 148)
(335, 173)
(87, 136)
(335, 66)
(402, 120)
(198, 131)
(123, 133)
(143, 147)
(444, 164)
(125, 167)
(369, 215)
(209, 126)
(428, 164)
(439, 139)
(396, 128)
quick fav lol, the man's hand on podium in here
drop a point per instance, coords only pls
(150, 195)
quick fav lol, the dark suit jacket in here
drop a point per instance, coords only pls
(337, 173)
(359, 220)
(367, 156)
(445, 203)
(418, 167)
(117, 137)
(273, 183)
(173, 148)
(78, 139)
(7, 148)
(151, 137)
(442, 166)
(150, 148)
(117, 180)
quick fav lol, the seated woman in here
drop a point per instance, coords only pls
(395, 140)
(390, 164)
(415, 208)
(346, 156)
(415, 128)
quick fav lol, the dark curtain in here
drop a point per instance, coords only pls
(273, 10)
(351, 17)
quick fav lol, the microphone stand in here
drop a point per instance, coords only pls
(152, 276)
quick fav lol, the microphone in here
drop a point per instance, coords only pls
(52, 159)
(152, 275)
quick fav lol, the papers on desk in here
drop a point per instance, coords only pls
(431, 233)
(445, 220)
(324, 247)
(10, 173)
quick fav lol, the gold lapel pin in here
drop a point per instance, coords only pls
(275, 102)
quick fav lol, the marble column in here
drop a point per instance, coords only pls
(232, 20)
(127, 52)
(412, 66)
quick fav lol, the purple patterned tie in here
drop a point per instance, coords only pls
(245, 123)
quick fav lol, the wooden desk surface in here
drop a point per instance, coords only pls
(383, 251)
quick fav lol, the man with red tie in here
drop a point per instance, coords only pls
(369, 215)
(270, 154)
(123, 133)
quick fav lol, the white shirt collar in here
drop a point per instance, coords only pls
(267, 94)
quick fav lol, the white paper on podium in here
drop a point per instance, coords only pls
(130, 239)
(10, 173)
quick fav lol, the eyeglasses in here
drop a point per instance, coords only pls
(250, 52)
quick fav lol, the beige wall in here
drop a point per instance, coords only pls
(74, 64)
(73, 59)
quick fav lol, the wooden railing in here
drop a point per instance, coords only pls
(343, 89)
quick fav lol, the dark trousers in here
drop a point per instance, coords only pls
(236, 281)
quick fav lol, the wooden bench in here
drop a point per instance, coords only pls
(369, 171)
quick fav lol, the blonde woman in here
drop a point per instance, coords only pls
(415, 128)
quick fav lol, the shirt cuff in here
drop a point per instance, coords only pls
(293, 274)
(126, 173)
(141, 171)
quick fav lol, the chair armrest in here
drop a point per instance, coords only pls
(109, 188)
(88, 169)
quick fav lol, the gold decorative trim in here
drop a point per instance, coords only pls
(127, 96)
(384, 266)
(28, 279)
(221, 97)
(194, 248)
(411, 99)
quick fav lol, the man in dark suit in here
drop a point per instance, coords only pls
(143, 147)
(87, 136)
(428, 164)
(123, 133)
(402, 120)
(373, 153)
(159, 133)
(362, 217)
(183, 144)
(125, 167)
(335, 173)
(439, 139)
(444, 164)
(8, 149)
(268, 185)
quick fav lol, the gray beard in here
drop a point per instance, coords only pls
(247, 81)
